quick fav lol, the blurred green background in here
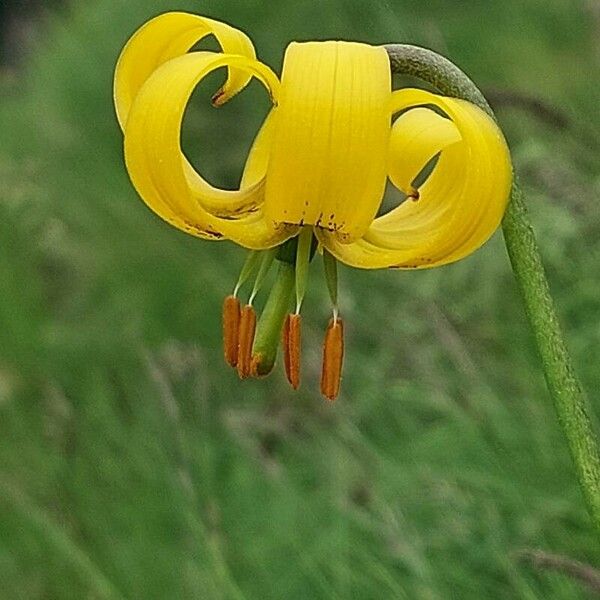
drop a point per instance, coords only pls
(134, 464)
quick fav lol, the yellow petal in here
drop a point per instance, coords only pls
(328, 158)
(156, 164)
(260, 151)
(460, 205)
(161, 39)
(417, 136)
(165, 37)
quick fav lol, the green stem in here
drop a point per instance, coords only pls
(569, 399)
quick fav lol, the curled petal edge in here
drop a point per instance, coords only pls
(162, 175)
(460, 206)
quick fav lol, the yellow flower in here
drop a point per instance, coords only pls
(316, 173)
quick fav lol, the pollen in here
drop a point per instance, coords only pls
(292, 343)
(333, 356)
(247, 329)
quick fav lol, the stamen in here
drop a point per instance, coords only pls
(267, 258)
(333, 355)
(247, 329)
(331, 277)
(413, 194)
(231, 325)
(218, 98)
(249, 267)
(303, 256)
(292, 344)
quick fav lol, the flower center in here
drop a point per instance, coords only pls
(251, 347)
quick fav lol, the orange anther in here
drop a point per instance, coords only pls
(333, 356)
(292, 343)
(247, 329)
(231, 325)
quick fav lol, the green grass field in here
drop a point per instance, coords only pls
(134, 464)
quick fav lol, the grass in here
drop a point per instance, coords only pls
(133, 464)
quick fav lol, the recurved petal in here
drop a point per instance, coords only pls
(165, 37)
(159, 170)
(460, 205)
(258, 157)
(417, 136)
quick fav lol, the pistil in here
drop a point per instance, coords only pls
(272, 320)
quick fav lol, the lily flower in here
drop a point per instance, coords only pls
(315, 176)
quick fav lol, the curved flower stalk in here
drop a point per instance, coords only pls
(315, 177)
(570, 402)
